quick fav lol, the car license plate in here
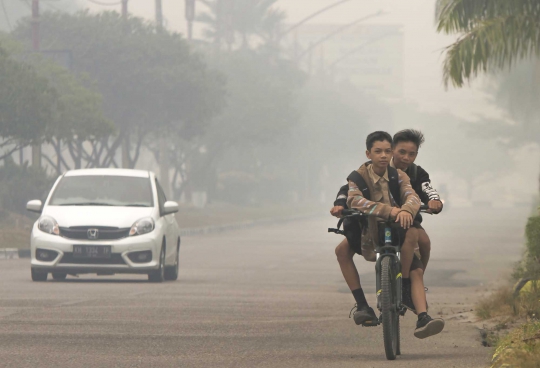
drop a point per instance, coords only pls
(91, 251)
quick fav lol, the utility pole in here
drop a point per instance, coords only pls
(159, 15)
(125, 142)
(124, 9)
(164, 151)
(36, 147)
(190, 17)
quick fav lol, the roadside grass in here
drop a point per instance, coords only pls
(15, 230)
(225, 214)
(519, 348)
(499, 303)
(518, 306)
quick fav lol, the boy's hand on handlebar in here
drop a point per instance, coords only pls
(336, 211)
(435, 206)
(405, 219)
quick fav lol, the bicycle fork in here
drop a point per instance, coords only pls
(389, 250)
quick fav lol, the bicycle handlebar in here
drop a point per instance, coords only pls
(351, 212)
(356, 213)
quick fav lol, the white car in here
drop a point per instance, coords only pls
(105, 221)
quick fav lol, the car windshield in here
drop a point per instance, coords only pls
(103, 191)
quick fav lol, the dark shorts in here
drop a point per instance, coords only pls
(418, 225)
(353, 233)
(398, 237)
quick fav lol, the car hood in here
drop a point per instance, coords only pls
(67, 216)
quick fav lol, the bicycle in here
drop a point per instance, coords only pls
(388, 282)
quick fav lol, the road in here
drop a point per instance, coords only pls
(268, 296)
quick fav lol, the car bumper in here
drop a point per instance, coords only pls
(118, 263)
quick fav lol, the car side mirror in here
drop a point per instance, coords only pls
(35, 206)
(170, 207)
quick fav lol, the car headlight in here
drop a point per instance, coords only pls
(48, 225)
(142, 226)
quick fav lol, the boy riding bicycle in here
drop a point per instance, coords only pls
(383, 205)
(405, 151)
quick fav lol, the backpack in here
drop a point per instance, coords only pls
(412, 172)
(393, 184)
(352, 229)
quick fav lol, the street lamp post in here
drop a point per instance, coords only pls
(124, 9)
(336, 32)
(159, 15)
(36, 147)
(190, 17)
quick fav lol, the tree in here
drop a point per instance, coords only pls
(261, 110)
(496, 33)
(247, 18)
(77, 119)
(27, 103)
(150, 80)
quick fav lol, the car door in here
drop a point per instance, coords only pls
(167, 224)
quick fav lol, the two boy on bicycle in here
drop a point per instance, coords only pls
(382, 206)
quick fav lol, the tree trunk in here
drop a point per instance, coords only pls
(164, 166)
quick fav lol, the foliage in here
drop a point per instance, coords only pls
(505, 302)
(78, 116)
(499, 303)
(27, 104)
(496, 33)
(532, 232)
(516, 92)
(260, 111)
(520, 348)
(248, 18)
(18, 184)
(150, 81)
(529, 267)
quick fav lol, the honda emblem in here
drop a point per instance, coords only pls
(93, 234)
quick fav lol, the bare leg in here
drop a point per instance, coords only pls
(418, 292)
(345, 256)
(424, 243)
(407, 251)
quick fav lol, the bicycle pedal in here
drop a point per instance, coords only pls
(370, 323)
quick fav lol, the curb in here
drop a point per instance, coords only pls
(14, 253)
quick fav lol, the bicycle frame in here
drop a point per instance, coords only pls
(385, 250)
(389, 273)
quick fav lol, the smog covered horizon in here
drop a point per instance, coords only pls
(293, 129)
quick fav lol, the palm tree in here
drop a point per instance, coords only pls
(247, 18)
(495, 34)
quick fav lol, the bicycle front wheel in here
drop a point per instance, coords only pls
(390, 315)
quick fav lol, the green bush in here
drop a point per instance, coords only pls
(532, 231)
(520, 348)
(21, 183)
(530, 265)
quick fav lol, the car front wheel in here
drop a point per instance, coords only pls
(59, 275)
(38, 275)
(171, 272)
(159, 274)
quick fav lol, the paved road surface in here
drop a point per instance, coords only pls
(264, 297)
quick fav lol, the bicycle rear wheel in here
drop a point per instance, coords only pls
(390, 315)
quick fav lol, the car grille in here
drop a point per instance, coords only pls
(103, 232)
(116, 259)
